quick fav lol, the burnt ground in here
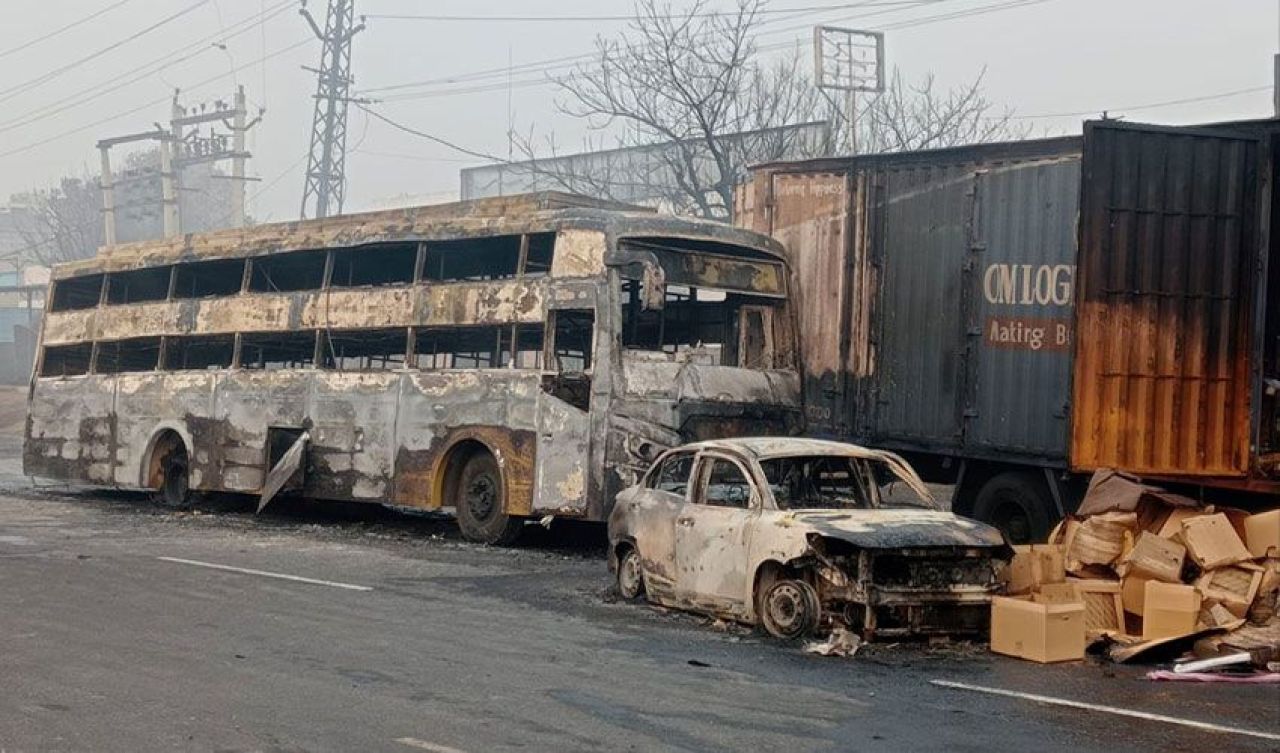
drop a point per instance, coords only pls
(466, 648)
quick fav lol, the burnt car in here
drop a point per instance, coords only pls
(793, 534)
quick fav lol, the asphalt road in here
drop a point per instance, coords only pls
(112, 640)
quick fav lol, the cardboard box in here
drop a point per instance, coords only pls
(1133, 592)
(1154, 557)
(1234, 587)
(1169, 610)
(1039, 632)
(1103, 605)
(1212, 542)
(1100, 539)
(1057, 593)
(1035, 565)
(1171, 528)
(1262, 534)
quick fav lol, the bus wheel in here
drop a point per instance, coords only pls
(1018, 504)
(175, 489)
(479, 499)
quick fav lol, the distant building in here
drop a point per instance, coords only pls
(637, 175)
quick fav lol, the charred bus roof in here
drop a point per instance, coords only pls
(509, 215)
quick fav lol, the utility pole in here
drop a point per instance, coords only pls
(168, 187)
(193, 148)
(325, 186)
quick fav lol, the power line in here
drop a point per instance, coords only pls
(13, 91)
(631, 17)
(430, 137)
(146, 70)
(152, 103)
(1147, 106)
(78, 22)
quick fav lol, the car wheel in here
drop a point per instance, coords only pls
(630, 575)
(789, 609)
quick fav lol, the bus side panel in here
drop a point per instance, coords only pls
(247, 403)
(564, 444)
(70, 429)
(353, 433)
(496, 408)
(148, 404)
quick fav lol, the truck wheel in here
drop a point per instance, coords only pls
(479, 500)
(1018, 504)
(789, 609)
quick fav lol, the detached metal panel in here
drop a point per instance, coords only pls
(1161, 383)
(1020, 334)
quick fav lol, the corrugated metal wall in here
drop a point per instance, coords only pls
(1161, 380)
(1024, 272)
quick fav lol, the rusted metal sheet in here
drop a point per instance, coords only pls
(1166, 285)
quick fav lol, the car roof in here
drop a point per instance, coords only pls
(763, 448)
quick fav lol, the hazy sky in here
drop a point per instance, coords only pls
(1052, 56)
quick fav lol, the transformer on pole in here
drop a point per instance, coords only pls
(326, 165)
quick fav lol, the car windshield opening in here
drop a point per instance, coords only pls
(818, 482)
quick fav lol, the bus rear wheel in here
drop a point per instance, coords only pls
(479, 500)
(175, 484)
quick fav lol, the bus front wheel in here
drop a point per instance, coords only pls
(479, 499)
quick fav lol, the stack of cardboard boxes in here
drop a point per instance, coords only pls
(1138, 566)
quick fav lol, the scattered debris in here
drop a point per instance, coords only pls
(1150, 576)
(1256, 678)
(841, 642)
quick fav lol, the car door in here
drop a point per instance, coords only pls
(654, 508)
(712, 535)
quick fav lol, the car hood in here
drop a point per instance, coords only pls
(896, 528)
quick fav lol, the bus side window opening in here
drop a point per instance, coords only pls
(373, 265)
(120, 356)
(199, 353)
(204, 279)
(286, 272)
(77, 293)
(139, 285)
(279, 350)
(66, 360)
(365, 350)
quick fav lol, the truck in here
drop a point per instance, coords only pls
(1013, 317)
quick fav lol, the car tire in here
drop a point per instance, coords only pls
(1018, 504)
(630, 578)
(789, 609)
(479, 501)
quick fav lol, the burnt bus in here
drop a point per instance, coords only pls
(509, 358)
(1012, 317)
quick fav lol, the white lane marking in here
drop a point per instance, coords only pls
(266, 574)
(1108, 710)
(414, 742)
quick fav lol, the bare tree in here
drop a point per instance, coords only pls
(910, 117)
(59, 224)
(691, 104)
(689, 90)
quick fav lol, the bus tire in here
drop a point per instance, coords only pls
(175, 481)
(479, 501)
(1017, 503)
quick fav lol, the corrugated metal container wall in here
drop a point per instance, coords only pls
(974, 312)
(1025, 273)
(1162, 373)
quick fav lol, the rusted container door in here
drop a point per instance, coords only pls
(810, 213)
(1161, 377)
